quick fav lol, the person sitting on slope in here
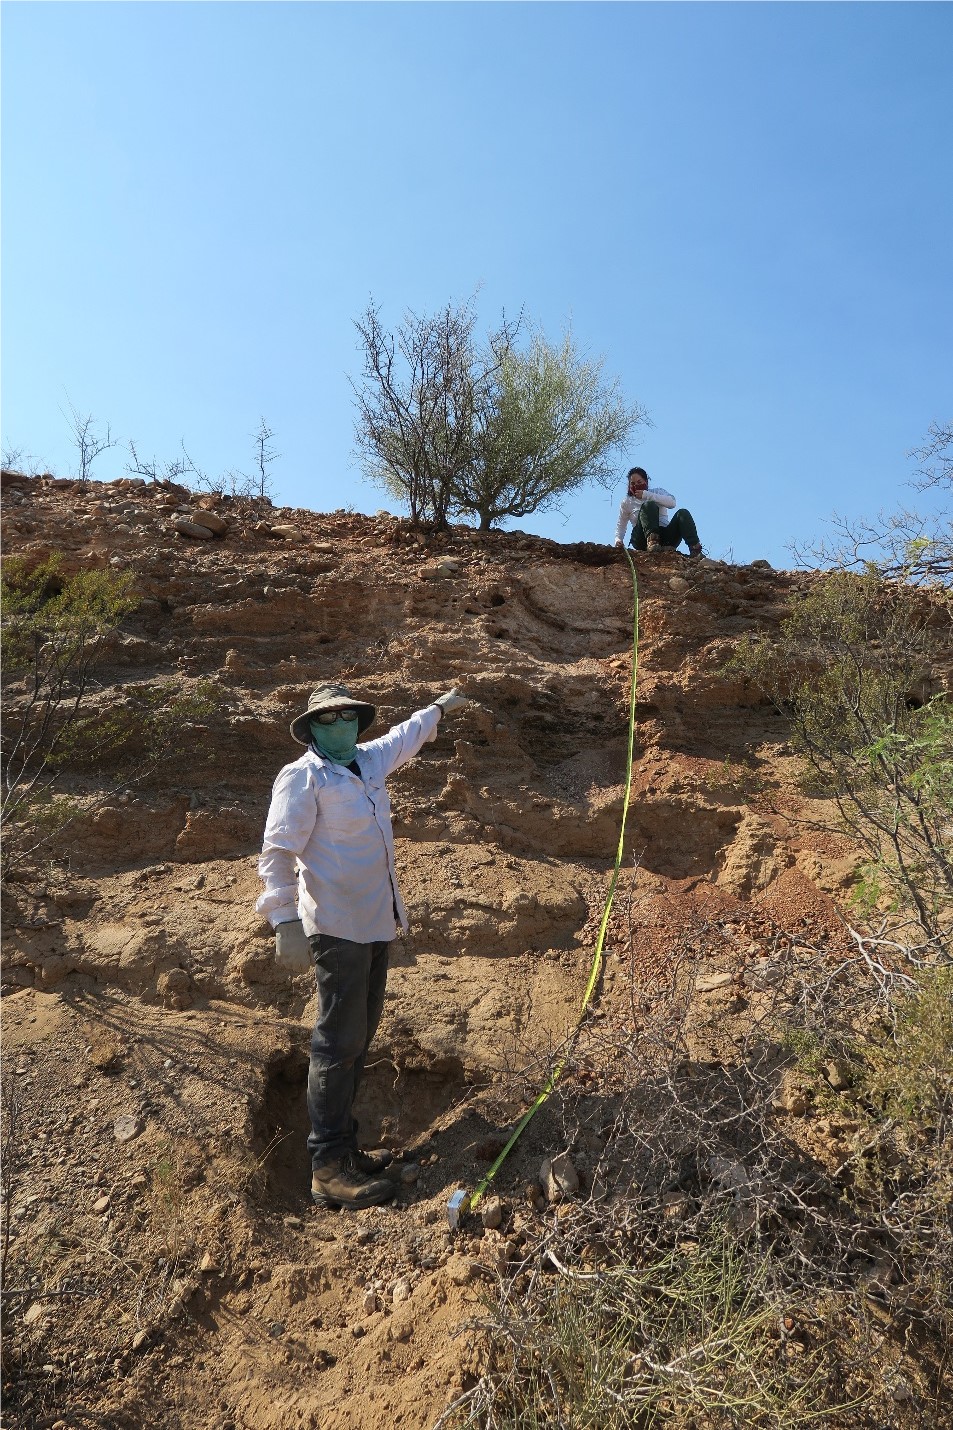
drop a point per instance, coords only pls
(654, 523)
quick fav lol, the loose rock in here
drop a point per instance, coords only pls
(127, 1128)
(492, 1213)
(559, 1177)
(192, 529)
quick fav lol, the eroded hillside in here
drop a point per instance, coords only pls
(159, 1171)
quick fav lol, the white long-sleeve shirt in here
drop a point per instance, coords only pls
(629, 510)
(328, 839)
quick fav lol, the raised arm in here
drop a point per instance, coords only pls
(402, 741)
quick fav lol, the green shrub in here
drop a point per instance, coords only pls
(57, 629)
(848, 669)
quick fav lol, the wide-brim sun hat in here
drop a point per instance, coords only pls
(331, 697)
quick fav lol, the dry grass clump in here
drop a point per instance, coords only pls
(766, 1238)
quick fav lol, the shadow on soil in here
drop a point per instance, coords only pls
(398, 1106)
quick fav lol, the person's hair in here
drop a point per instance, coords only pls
(636, 472)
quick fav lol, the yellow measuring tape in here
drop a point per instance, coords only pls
(560, 1065)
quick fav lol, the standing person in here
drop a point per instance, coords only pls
(654, 523)
(329, 843)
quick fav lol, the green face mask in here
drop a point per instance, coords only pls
(338, 741)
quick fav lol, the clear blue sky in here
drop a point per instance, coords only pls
(745, 208)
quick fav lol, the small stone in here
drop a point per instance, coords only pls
(791, 1096)
(559, 1177)
(410, 1173)
(401, 1328)
(139, 1340)
(127, 1128)
(492, 1213)
(293, 1221)
(207, 1265)
(34, 1314)
(401, 1291)
(763, 974)
(727, 1174)
(174, 986)
(285, 533)
(708, 982)
(100, 1206)
(837, 1072)
(461, 1270)
(677, 585)
(370, 1303)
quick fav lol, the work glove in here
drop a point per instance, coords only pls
(292, 949)
(451, 701)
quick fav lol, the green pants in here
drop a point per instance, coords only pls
(681, 527)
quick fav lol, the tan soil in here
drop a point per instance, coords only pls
(206, 1290)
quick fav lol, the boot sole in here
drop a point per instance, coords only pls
(372, 1199)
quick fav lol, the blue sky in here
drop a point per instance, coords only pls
(744, 208)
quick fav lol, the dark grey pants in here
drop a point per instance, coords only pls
(351, 980)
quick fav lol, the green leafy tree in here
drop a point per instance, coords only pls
(551, 426)
(454, 426)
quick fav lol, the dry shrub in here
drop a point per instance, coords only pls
(766, 1239)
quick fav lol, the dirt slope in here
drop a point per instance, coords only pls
(159, 1172)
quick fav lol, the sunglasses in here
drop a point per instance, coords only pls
(328, 717)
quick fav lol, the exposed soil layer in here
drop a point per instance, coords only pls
(172, 1269)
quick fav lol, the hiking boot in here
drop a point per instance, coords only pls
(371, 1162)
(653, 542)
(343, 1184)
(695, 550)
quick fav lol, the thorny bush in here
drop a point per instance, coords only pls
(765, 1235)
(853, 669)
(58, 628)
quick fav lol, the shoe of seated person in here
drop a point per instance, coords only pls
(695, 550)
(341, 1183)
(653, 542)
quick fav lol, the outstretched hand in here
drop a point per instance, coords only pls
(451, 701)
